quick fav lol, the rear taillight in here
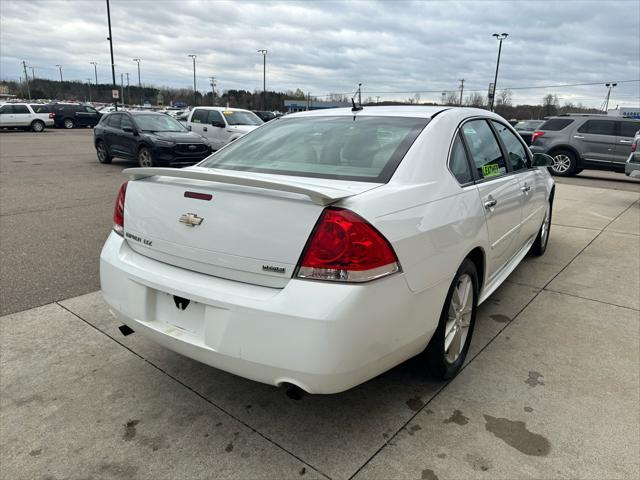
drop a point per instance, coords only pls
(344, 247)
(634, 145)
(52, 115)
(118, 211)
(536, 135)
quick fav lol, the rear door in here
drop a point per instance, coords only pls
(22, 116)
(6, 116)
(596, 140)
(112, 134)
(626, 132)
(499, 192)
(530, 180)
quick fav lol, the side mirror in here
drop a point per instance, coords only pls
(218, 124)
(542, 160)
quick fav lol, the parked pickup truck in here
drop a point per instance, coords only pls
(220, 125)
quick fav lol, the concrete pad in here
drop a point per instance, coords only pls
(112, 415)
(628, 222)
(556, 395)
(608, 270)
(564, 244)
(587, 207)
(334, 433)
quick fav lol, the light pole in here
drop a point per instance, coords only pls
(137, 60)
(193, 57)
(113, 66)
(33, 73)
(60, 68)
(95, 70)
(500, 37)
(606, 103)
(264, 78)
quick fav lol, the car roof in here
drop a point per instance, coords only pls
(223, 109)
(415, 111)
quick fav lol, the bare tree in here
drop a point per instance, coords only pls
(504, 98)
(475, 99)
(550, 105)
(453, 98)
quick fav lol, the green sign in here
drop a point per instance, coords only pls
(491, 170)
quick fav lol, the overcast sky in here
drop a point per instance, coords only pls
(323, 47)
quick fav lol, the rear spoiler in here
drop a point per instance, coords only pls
(319, 194)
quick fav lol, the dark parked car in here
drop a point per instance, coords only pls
(264, 115)
(575, 142)
(151, 139)
(70, 115)
(526, 128)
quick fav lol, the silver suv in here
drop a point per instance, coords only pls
(577, 142)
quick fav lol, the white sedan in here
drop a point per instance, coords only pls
(326, 247)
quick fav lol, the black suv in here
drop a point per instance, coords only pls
(152, 139)
(575, 142)
(70, 115)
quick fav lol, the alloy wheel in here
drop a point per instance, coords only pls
(459, 318)
(561, 163)
(102, 152)
(38, 127)
(144, 158)
(68, 123)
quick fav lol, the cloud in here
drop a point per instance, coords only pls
(323, 47)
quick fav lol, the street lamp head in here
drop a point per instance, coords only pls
(137, 60)
(192, 56)
(93, 63)
(58, 66)
(263, 52)
(500, 36)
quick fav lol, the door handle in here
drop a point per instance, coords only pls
(625, 141)
(578, 136)
(490, 203)
(525, 189)
(204, 129)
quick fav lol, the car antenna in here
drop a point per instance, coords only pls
(353, 102)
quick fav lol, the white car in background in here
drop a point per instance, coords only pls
(220, 125)
(326, 247)
(33, 117)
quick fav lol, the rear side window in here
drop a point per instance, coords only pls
(556, 124)
(598, 127)
(629, 129)
(199, 116)
(20, 109)
(113, 120)
(366, 149)
(515, 151)
(40, 108)
(458, 162)
(5, 109)
(90, 109)
(484, 149)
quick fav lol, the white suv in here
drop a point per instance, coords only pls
(221, 125)
(23, 115)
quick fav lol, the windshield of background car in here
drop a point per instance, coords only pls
(158, 123)
(241, 118)
(366, 149)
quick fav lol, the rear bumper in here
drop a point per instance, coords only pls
(322, 337)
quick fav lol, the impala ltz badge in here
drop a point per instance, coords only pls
(191, 219)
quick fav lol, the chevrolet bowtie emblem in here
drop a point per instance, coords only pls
(191, 219)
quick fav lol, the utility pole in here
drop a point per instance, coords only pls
(461, 89)
(213, 90)
(60, 68)
(33, 73)
(122, 89)
(193, 57)
(113, 66)
(137, 60)
(606, 103)
(264, 78)
(308, 100)
(500, 38)
(360, 94)
(378, 99)
(89, 84)
(128, 90)
(444, 98)
(95, 70)
(26, 78)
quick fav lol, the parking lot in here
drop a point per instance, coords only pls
(551, 388)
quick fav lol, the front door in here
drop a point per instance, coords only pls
(218, 134)
(626, 132)
(499, 192)
(596, 140)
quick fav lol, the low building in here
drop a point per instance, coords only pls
(300, 105)
(628, 112)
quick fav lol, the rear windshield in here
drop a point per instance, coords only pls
(40, 108)
(556, 124)
(528, 124)
(366, 149)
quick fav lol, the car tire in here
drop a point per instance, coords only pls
(564, 164)
(68, 123)
(37, 126)
(145, 158)
(447, 349)
(542, 240)
(103, 153)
